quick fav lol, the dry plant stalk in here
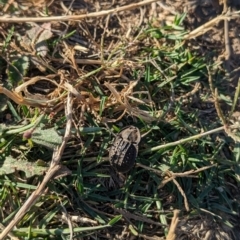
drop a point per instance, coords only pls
(10, 235)
(30, 100)
(208, 26)
(171, 176)
(17, 98)
(49, 100)
(215, 96)
(226, 127)
(218, 108)
(226, 37)
(75, 17)
(51, 173)
(172, 230)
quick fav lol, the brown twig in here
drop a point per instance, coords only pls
(215, 96)
(172, 230)
(183, 194)
(17, 98)
(54, 168)
(67, 219)
(210, 81)
(76, 17)
(10, 235)
(182, 141)
(191, 93)
(218, 108)
(226, 37)
(172, 177)
(190, 173)
(208, 26)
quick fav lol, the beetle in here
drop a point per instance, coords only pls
(124, 150)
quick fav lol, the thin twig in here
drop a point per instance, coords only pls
(181, 141)
(172, 175)
(67, 219)
(75, 17)
(187, 173)
(210, 81)
(159, 172)
(183, 194)
(218, 108)
(56, 158)
(191, 93)
(208, 26)
(226, 37)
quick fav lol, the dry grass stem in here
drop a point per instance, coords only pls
(171, 177)
(183, 194)
(10, 235)
(172, 230)
(218, 108)
(191, 93)
(226, 36)
(181, 141)
(75, 17)
(31, 99)
(208, 26)
(67, 219)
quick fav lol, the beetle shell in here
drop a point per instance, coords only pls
(124, 150)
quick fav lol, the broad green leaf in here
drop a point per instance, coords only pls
(18, 69)
(11, 165)
(46, 137)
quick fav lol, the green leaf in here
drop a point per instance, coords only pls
(47, 137)
(133, 231)
(18, 69)
(55, 231)
(8, 38)
(115, 220)
(11, 165)
(102, 103)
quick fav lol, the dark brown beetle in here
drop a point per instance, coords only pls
(124, 150)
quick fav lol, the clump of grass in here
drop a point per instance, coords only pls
(155, 82)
